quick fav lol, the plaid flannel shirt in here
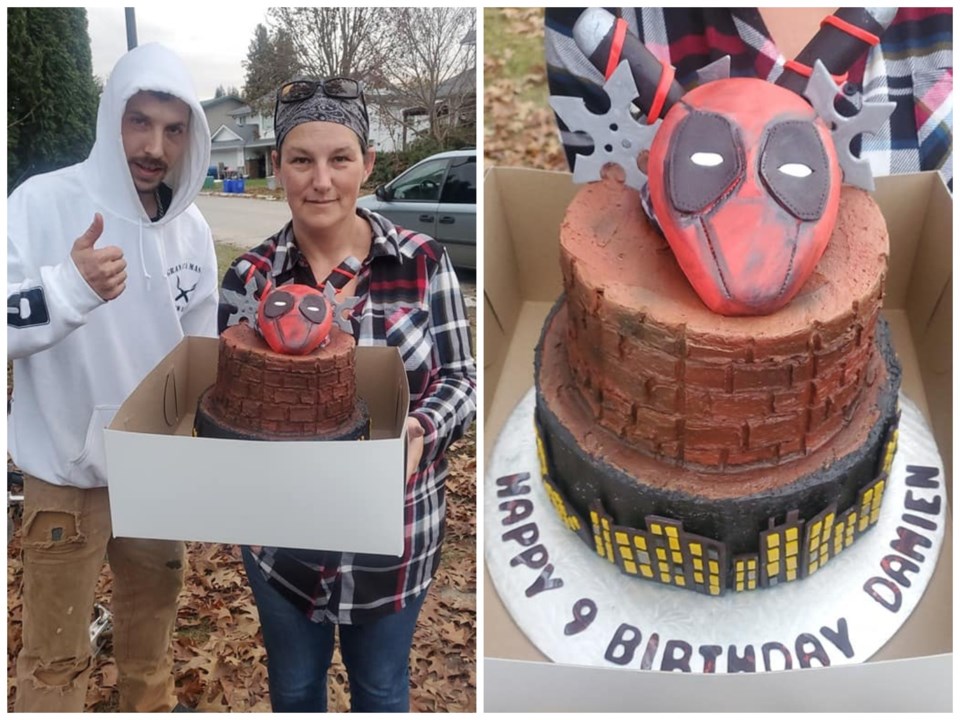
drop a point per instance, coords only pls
(409, 298)
(912, 66)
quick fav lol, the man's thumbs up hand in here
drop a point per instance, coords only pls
(104, 269)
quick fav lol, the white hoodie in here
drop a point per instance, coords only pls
(76, 357)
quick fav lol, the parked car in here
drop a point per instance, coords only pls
(437, 196)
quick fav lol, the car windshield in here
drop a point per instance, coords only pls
(421, 183)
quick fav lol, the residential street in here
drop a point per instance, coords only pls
(246, 222)
(241, 221)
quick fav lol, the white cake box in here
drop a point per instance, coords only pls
(522, 215)
(339, 495)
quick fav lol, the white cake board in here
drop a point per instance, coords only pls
(829, 618)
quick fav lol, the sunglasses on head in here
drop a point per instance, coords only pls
(339, 87)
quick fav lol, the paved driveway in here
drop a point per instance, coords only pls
(241, 221)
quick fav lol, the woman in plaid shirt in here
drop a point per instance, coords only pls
(912, 66)
(408, 297)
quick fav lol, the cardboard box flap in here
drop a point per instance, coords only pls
(165, 401)
(377, 369)
(501, 289)
(515, 212)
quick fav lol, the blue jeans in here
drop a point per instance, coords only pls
(299, 652)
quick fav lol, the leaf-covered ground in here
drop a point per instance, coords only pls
(219, 657)
(519, 126)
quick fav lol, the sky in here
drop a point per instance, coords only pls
(212, 39)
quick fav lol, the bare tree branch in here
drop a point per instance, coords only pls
(433, 72)
(337, 41)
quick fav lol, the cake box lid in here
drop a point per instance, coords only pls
(340, 495)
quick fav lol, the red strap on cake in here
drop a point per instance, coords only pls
(807, 71)
(667, 72)
(850, 29)
(616, 46)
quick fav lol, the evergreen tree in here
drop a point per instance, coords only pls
(52, 95)
(271, 60)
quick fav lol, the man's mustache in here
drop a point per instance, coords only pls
(150, 163)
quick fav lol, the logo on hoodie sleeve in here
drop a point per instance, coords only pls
(27, 309)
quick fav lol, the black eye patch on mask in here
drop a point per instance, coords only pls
(279, 303)
(794, 168)
(705, 159)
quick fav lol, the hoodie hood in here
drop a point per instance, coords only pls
(148, 67)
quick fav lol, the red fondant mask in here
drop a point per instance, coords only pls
(294, 319)
(745, 184)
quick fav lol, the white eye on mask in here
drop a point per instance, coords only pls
(706, 159)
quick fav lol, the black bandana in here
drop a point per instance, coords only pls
(326, 109)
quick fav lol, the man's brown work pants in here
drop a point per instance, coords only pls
(66, 535)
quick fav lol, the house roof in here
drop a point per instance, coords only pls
(245, 110)
(462, 82)
(239, 134)
(224, 134)
(205, 104)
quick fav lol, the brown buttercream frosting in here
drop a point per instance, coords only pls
(679, 383)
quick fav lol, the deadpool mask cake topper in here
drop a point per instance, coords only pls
(294, 319)
(744, 175)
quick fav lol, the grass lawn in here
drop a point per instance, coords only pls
(514, 36)
(226, 254)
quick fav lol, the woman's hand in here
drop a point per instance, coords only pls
(415, 434)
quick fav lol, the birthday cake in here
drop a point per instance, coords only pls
(716, 391)
(285, 370)
(261, 394)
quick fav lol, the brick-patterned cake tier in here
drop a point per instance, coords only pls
(688, 387)
(261, 394)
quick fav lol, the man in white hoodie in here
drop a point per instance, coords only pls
(109, 265)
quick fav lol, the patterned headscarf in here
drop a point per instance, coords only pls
(351, 113)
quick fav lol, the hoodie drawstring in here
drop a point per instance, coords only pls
(143, 259)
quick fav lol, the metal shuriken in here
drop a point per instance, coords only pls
(717, 70)
(820, 91)
(246, 304)
(617, 136)
(341, 310)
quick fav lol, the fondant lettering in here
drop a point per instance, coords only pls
(534, 558)
(816, 651)
(921, 476)
(896, 568)
(544, 582)
(877, 587)
(526, 535)
(623, 644)
(768, 649)
(929, 507)
(839, 637)
(745, 663)
(517, 510)
(907, 540)
(653, 642)
(584, 613)
(710, 653)
(676, 656)
(512, 485)
(919, 522)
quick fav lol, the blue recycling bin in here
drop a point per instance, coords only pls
(228, 186)
(238, 185)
